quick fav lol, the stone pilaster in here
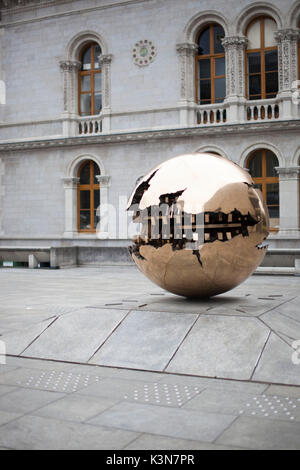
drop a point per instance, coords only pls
(287, 40)
(70, 69)
(105, 64)
(289, 201)
(70, 187)
(235, 65)
(187, 53)
(235, 76)
(103, 210)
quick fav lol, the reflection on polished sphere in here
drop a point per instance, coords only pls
(202, 225)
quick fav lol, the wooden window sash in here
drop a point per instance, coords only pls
(92, 72)
(211, 56)
(91, 188)
(262, 51)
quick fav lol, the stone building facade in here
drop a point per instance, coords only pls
(110, 88)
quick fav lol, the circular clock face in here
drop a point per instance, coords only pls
(143, 52)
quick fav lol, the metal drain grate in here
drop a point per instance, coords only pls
(163, 394)
(59, 381)
(272, 407)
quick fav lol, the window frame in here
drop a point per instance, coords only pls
(212, 56)
(264, 180)
(91, 73)
(262, 50)
(91, 187)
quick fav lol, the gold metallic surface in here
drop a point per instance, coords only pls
(225, 221)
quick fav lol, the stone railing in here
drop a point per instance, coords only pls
(262, 110)
(89, 125)
(211, 114)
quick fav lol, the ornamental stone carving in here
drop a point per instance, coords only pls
(187, 52)
(235, 70)
(143, 52)
(287, 57)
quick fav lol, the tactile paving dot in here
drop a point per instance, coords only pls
(272, 407)
(58, 381)
(162, 394)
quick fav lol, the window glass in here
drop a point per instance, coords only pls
(255, 165)
(204, 68)
(254, 62)
(96, 173)
(255, 86)
(218, 36)
(87, 59)
(271, 162)
(85, 220)
(270, 28)
(271, 60)
(85, 200)
(204, 44)
(220, 66)
(98, 103)
(85, 174)
(96, 199)
(85, 83)
(205, 93)
(85, 105)
(220, 88)
(98, 81)
(97, 52)
(253, 35)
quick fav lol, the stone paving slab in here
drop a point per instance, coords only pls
(276, 363)
(185, 424)
(151, 441)
(221, 346)
(76, 336)
(17, 341)
(261, 434)
(37, 433)
(145, 340)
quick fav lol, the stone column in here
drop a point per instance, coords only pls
(235, 76)
(103, 210)
(105, 64)
(287, 40)
(70, 88)
(187, 53)
(70, 186)
(2, 192)
(289, 201)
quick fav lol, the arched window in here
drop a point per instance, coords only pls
(89, 86)
(210, 66)
(261, 164)
(261, 59)
(88, 196)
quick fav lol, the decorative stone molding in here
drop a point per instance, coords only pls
(202, 19)
(2, 194)
(105, 62)
(70, 182)
(289, 201)
(143, 52)
(115, 138)
(70, 69)
(253, 11)
(288, 173)
(235, 65)
(187, 52)
(287, 57)
(104, 181)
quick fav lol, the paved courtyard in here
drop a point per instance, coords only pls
(100, 358)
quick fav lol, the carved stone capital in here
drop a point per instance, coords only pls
(103, 180)
(287, 35)
(186, 48)
(69, 65)
(288, 173)
(235, 41)
(70, 182)
(105, 59)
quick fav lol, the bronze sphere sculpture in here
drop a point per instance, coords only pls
(202, 225)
